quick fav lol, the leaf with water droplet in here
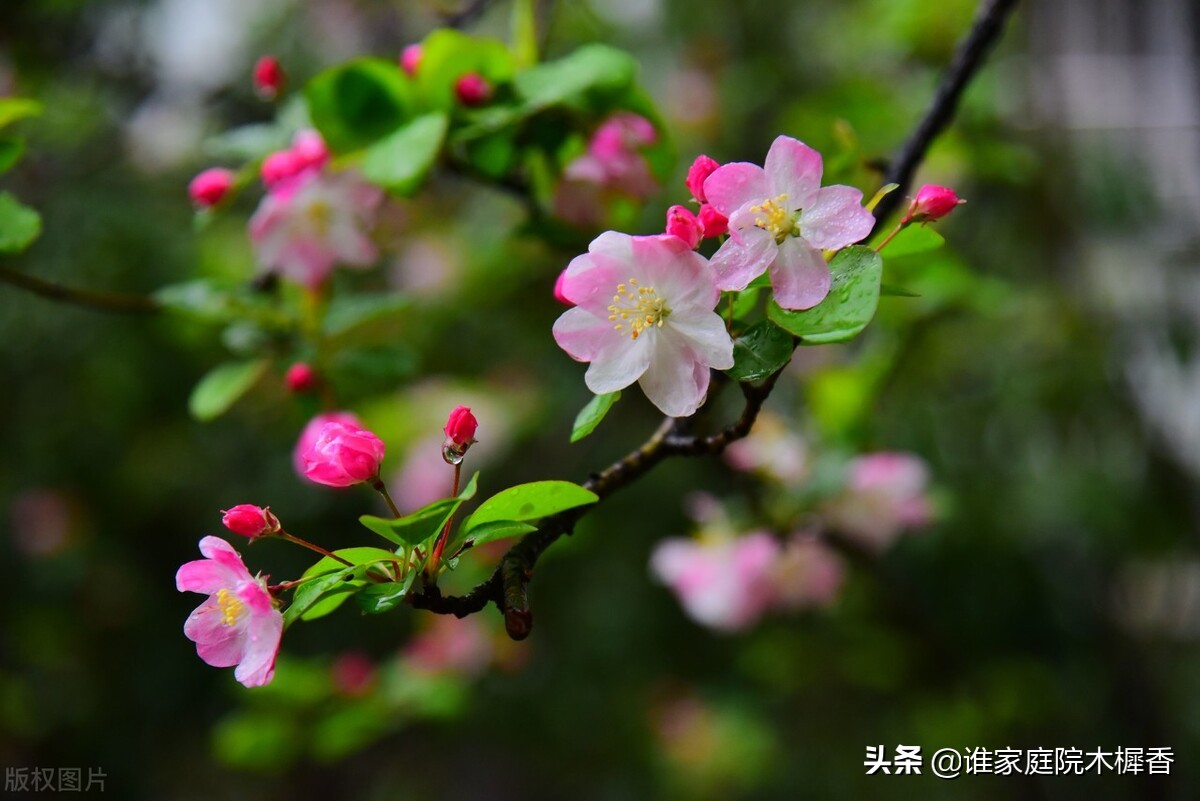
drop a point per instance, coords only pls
(526, 502)
(848, 307)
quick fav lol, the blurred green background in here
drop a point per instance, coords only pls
(1046, 373)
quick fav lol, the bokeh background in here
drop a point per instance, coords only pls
(1048, 373)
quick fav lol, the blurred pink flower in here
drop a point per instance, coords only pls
(612, 164)
(885, 493)
(343, 454)
(772, 449)
(238, 624)
(210, 187)
(644, 312)
(808, 573)
(722, 583)
(268, 77)
(301, 378)
(473, 89)
(450, 645)
(780, 218)
(353, 674)
(410, 59)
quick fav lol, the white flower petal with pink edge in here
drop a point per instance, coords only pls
(644, 312)
(780, 219)
(238, 623)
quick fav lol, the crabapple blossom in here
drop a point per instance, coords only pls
(410, 59)
(683, 224)
(450, 645)
(210, 187)
(612, 164)
(300, 378)
(932, 203)
(460, 434)
(781, 219)
(644, 312)
(250, 520)
(697, 174)
(473, 89)
(343, 454)
(307, 155)
(558, 289)
(353, 674)
(722, 582)
(268, 77)
(772, 450)
(807, 573)
(308, 437)
(311, 219)
(712, 222)
(884, 494)
(238, 624)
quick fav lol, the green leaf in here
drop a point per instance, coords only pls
(761, 351)
(332, 582)
(401, 160)
(887, 290)
(911, 241)
(347, 312)
(591, 70)
(492, 531)
(360, 102)
(11, 150)
(849, 306)
(447, 55)
(423, 524)
(222, 386)
(385, 596)
(744, 302)
(19, 224)
(590, 416)
(17, 108)
(530, 502)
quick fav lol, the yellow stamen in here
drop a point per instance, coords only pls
(774, 217)
(230, 605)
(640, 306)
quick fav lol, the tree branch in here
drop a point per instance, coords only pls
(507, 585)
(104, 301)
(968, 58)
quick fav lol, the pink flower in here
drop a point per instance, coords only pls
(473, 89)
(250, 520)
(722, 583)
(268, 77)
(558, 289)
(772, 450)
(343, 454)
(307, 156)
(353, 674)
(410, 59)
(210, 187)
(313, 221)
(612, 164)
(450, 645)
(312, 430)
(807, 573)
(697, 174)
(683, 224)
(780, 218)
(712, 222)
(645, 313)
(884, 494)
(300, 378)
(932, 203)
(460, 427)
(238, 624)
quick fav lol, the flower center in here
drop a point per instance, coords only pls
(320, 215)
(773, 216)
(230, 605)
(639, 307)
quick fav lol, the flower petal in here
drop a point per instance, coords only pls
(217, 643)
(617, 364)
(836, 218)
(799, 275)
(676, 381)
(793, 169)
(583, 335)
(707, 337)
(681, 276)
(745, 255)
(222, 552)
(734, 185)
(205, 576)
(263, 633)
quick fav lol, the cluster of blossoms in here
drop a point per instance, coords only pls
(613, 164)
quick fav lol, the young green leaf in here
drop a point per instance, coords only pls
(11, 150)
(222, 387)
(401, 160)
(332, 582)
(385, 596)
(360, 102)
(490, 532)
(19, 224)
(759, 352)
(847, 309)
(592, 69)
(530, 502)
(17, 108)
(423, 524)
(590, 415)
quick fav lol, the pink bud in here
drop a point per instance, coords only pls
(410, 59)
(712, 221)
(697, 174)
(353, 674)
(342, 455)
(558, 290)
(683, 224)
(278, 167)
(250, 520)
(932, 203)
(460, 427)
(210, 187)
(268, 77)
(472, 89)
(300, 378)
(309, 150)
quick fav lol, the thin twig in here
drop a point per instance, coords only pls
(968, 58)
(466, 15)
(104, 301)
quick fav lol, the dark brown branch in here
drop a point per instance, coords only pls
(968, 58)
(466, 15)
(104, 301)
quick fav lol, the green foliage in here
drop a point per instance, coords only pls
(592, 414)
(401, 160)
(328, 583)
(422, 525)
(447, 55)
(384, 597)
(11, 150)
(590, 76)
(531, 501)
(761, 351)
(13, 109)
(847, 309)
(19, 224)
(357, 103)
(222, 386)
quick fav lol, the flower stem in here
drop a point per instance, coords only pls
(441, 543)
(314, 547)
(378, 485)
(900, 226)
